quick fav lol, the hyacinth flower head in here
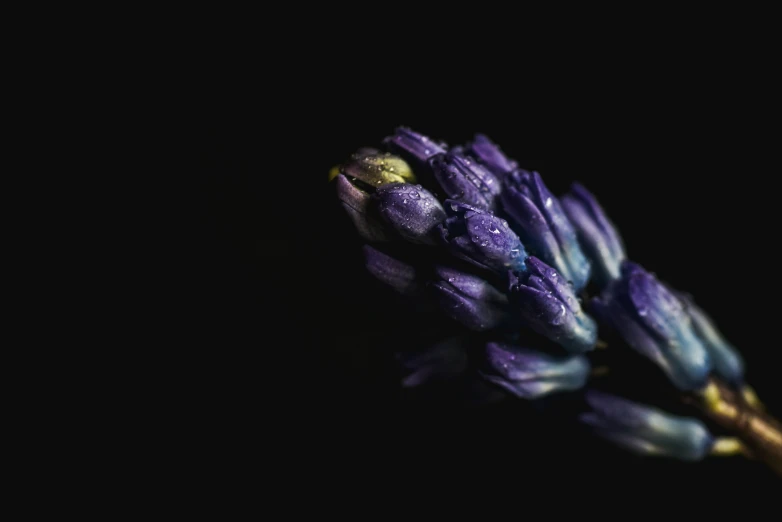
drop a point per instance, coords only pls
(647, 430)
(547, 303)
(654, 322)
(543, 226)
(530, 257)
(464, 179)
(597, 235)
(530, 374)
(481, 238)
(490, 155)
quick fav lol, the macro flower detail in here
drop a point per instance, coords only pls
(597, 235)
(542, 225)
(464, 179)
(399, 275)
(646, 430)
(376, 169)
(490, 155)
(357, 205)
(412, 211)
(469, 300)
(529, 374)
(548, 305)
(481, 238)
(414, 147)
(491, 270)
(654, 322)
(727, 361)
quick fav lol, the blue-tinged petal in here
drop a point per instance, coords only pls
(647, 430)
(597, 235)
(530, 374)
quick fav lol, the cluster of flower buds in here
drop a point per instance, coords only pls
(508, 258)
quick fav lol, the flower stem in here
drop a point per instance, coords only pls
(760, 432)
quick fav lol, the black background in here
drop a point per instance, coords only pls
(282, 299)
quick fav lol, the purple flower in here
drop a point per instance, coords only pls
(547, 304)
(490, 155)
(596, 234)
(654, 322)
(400, 276)
(481, 238)
(727, 361)
(414, 147)
(412, 211)
(465, 180)
(543, 226)
(529, 374)
(646, 430)
(469, 300)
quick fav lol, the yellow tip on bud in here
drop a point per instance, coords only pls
(334, 172)
(711, 395)
(727, 446)
(751, 398)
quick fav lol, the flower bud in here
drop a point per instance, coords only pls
(481, 238)
(400, 276)
(530, 374)
(356, 203)
(654, 322)
(548, 305)
(412, 211)
(374, 170)
(469, 300)
(727, 361)
(542, 225)
(646, 430)
(490, 155)
(413, 147)
(465, 180)
(596, 233)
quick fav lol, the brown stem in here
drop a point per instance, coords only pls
(757, 429)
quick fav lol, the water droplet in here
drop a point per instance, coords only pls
(484, 243)
(415, 195)
(450, 279)
(504, 223)
(454, 207)
(548, 202)
(427, 151)
(514, 252)
(379, 181)
(552, 274)
(643, 312)
(405, 201)
(424, 139)
(493, 229)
